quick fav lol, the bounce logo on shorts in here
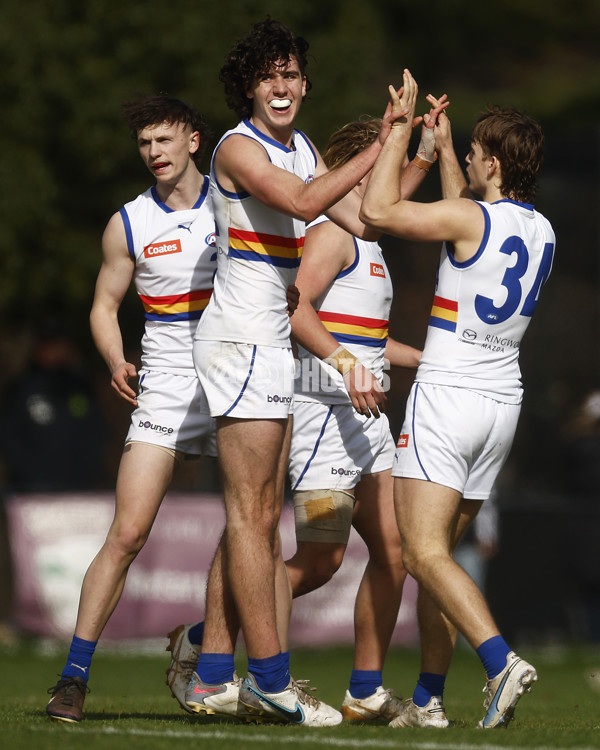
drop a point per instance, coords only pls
(279, 399)
(162, 248)
(346, 472)
(156, 427)
(402, 441)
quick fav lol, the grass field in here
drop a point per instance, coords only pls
(130, 706)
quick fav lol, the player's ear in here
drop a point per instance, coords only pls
(493, 166)
(194, 142)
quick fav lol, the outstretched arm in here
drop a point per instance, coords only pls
(242, 164)
(384, 192)
(414, 171)
(456, 220)
(454, 184)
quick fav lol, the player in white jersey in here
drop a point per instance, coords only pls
(267, 180)
(163, 241)
(340, 460)
(464, 405)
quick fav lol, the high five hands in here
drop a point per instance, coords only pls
(403, 102)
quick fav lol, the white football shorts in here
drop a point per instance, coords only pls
(246, 381)
(172, 413)
(333, 445)
(455, 437)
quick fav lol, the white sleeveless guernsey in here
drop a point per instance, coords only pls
(483, 306)
(259, 252)
(355, 309)
(175, 262)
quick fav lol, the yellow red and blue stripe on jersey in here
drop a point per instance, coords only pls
(352, 329)
(189, 306)
(444, 314)
(284, 252)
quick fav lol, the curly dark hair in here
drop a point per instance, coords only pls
(350, 140)
(517, 141)
(269, 43)
(146, 111)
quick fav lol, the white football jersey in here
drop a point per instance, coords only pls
(259, 252)
(482, 307)
(355, 309)
(175, 262)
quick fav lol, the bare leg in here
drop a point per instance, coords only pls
(144, 475)
(437, 633)
(249, 454)
(283, 589)
(380, 591)
(222, 623)
(313, 564)
(428, 516)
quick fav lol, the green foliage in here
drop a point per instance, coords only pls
(67, 66)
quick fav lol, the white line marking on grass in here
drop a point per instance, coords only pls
(293, 739)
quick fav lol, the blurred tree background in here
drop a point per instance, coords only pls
(70, 163)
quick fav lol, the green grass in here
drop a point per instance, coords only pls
(130, 706)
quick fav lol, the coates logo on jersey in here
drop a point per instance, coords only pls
(162, 248)
(377, 270)
(402, 441)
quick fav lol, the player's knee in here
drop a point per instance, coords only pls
(127, 539)
(324, 566)
(419, 561)
(313, 568)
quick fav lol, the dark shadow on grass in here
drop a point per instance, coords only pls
(173, 718)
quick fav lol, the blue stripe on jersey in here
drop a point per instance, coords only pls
(170, 317)
(446, 325)
(354, 263)
(346, 338)
(270, 259)
(128, 232)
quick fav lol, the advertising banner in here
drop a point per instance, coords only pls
(55, 537)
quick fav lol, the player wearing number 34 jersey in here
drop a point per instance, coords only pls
(482, 306)
(463, 409)
(481, 309)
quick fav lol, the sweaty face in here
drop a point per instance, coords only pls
(167, 148)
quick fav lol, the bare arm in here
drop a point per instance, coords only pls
(242, 164)
(402, 355)
(458, 221)
(454, 184)
(112, 283)
(328, 249)
(383, 192)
